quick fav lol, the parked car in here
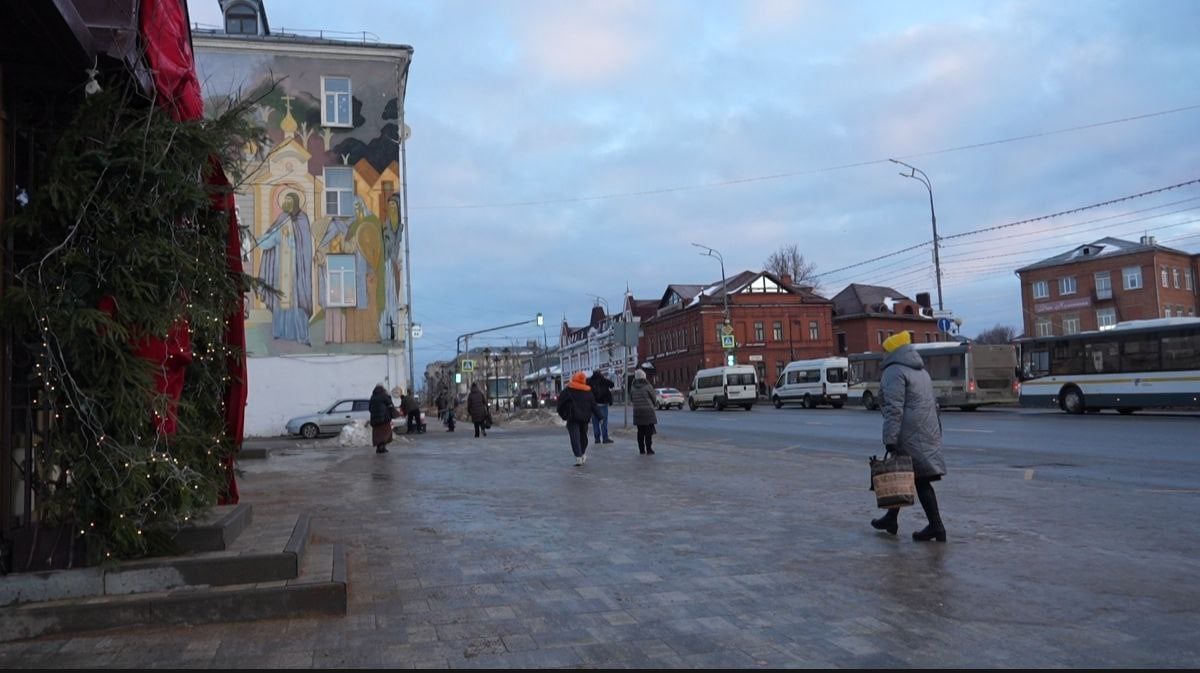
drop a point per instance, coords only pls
(329, 420)
(665, 398)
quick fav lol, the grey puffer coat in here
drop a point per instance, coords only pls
(910, 413)
(642, 395)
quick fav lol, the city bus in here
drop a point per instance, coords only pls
(1133, 365)
(965, 375)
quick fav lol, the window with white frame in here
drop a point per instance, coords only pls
(1166, 310)
(1041, 289)
(759, 333)
(1187, 279)
(1066, 285)
(1133, 277)
(1175, 278)
(777, 331)
(1165, 277)
(1103, 284)
(336, 94)
(814, 331)
(1044, 327)
(1070, 323)
(1106, 318)
(339, 281)
(339, 191)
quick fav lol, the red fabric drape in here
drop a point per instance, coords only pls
(166, 38)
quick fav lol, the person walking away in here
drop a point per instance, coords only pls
(441, 406)
(451, 408)
(382, 412)
(577, 406)
(412, 410)
(602, 390)
(644, 416)
(912, 427)
(477, 409)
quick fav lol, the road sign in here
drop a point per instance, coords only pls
(727, 341)
(726, 329)
(416, 331)
(944, 324)
(467, 365)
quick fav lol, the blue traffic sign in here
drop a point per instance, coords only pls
(944, 324)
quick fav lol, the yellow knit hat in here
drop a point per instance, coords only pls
(896, 340)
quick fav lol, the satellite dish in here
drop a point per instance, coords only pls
(407, 132)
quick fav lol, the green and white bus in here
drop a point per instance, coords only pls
(965, 375)
(1137, 364)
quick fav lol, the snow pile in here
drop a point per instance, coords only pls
(357, 433)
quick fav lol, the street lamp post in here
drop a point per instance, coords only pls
(541, 321)
(711, 252)
(919, 175)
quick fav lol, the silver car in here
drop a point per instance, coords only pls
(330, 420)
(665, 398)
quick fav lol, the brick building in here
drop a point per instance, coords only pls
(1097, 285)
(773, 323)
(865, 315)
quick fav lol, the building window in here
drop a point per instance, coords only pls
(1165, 277)
(779, 369)
(339, 280)
(1187, 279)
(1103, 285)
(1175, 278)
(335, 91)
(1041, 289)
(759, 332)
(1066, 285)
(879, 334)
(1070, 323)
(1106, 318)
(777, 331)
(339, 191)
(1166, 310)
(814, 330)
(695, 335)
(1178, 311)
(1044, 327)
(241, 20)
(1133, 277)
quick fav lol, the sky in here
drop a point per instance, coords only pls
(564, 152)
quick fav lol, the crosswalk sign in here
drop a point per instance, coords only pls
(468, 365)
(726, 341)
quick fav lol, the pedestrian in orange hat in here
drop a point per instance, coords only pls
(577, 406)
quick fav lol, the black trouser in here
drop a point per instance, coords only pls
(578, 432)
(645, 436)
(414, 420)
(479, 427)
(928, 502)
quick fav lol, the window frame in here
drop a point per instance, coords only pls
(1067, 285)
(1042, 285)
(1131, 272)
(349, 94)
(340, 191)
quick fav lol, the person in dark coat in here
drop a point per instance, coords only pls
(577, 406)
(641, 393)
(412, 410)
(382, 412)
(602, 390)
(912, 427)
(477, 409)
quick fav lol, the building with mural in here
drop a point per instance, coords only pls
(322, 209)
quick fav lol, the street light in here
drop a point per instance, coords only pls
(710, 252)
(924, 179)
(545, 355)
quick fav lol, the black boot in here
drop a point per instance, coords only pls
(930, 532)
(889, 522)
(935, 530)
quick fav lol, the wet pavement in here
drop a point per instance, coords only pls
(498, 552)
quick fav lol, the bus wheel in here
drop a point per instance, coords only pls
(869, 401)
(777, 402)
(720, 404)
(808, 402)
(691, 404)
(1072, 400)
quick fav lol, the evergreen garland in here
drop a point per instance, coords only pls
(125, 212)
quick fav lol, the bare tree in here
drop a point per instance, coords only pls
(789, 261)
(1000, 334)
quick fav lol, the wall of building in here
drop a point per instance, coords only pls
(862, 332)
(290, 386)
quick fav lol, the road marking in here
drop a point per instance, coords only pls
(816, 423)
(1173, 490)
(1028, 475)
(986, 432)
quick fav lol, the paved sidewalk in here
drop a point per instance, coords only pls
(498, 552)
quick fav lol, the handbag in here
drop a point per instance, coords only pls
(893, 481)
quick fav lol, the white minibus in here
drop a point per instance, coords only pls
(812, 382)
(735, 385)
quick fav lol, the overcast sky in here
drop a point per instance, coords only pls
(566, 149)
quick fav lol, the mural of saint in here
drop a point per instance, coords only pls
(286, 265)
(392, 261)
(367, 236)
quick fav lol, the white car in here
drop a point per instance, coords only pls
(665, 398)
(331, 419)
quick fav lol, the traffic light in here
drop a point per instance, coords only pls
(458, 377)
(729, 360)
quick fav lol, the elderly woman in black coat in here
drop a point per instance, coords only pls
(642, 395)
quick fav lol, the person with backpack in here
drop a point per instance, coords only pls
(602, 390)
(577, 406)
(477, 409)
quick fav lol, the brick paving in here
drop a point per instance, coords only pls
(499, 553)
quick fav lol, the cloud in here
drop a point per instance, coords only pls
(582, 42)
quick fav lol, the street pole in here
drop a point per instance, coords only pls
(711, 252)
(541, 321)
(924, 179)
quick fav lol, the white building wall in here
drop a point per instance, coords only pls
(283, 387)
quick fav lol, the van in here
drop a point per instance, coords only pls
(724, 386)
(812, 382)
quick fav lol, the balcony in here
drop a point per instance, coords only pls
(1103, 293)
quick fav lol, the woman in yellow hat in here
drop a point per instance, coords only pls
(911, 427)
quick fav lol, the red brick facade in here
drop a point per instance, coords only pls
(769, 329)
(1090, 290)
(861, 334)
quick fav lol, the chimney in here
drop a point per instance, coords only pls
(785, 279)
(923, 300)
(1147, 240)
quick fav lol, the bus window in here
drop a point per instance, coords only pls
(1141, 354)
(1102, 358)
(835, 375)
(1066, 357)
(1181, 352)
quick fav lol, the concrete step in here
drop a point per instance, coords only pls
(244, 582)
